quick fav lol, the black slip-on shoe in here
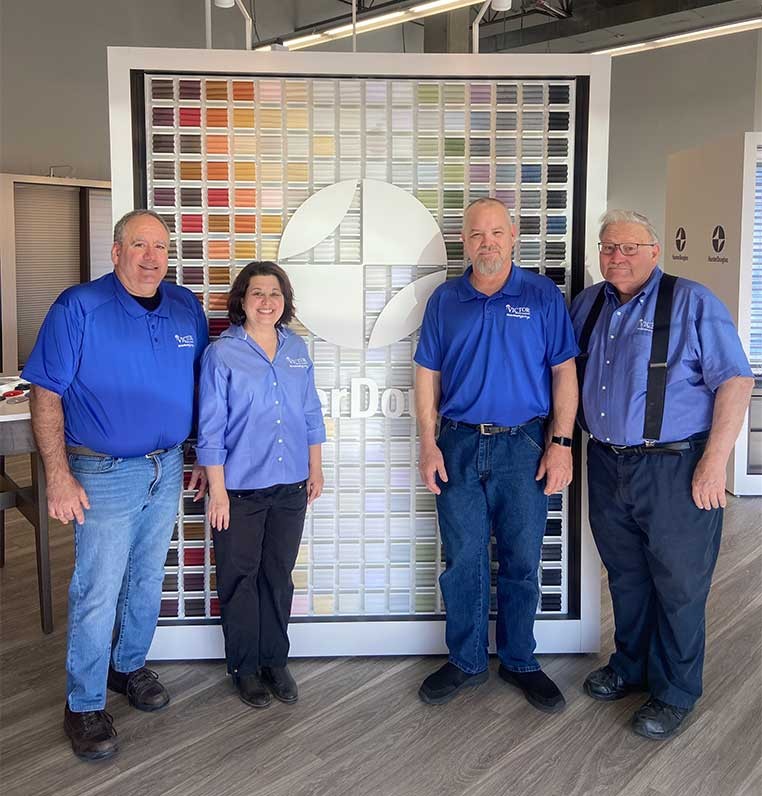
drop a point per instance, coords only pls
(540, 691)
(91, 733)
(141, 687)
(445, 682)
(281, 682)
(253, 691)
(606, 685)
(658, 721)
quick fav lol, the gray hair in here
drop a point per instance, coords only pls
(627, 217)
(127, 217)
(483, 200)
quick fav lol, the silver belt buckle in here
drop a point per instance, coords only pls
(649, 443)
(484, 429)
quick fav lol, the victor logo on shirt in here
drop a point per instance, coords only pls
(185, 341)
(517, 312)
(297, 362)
(645, 326)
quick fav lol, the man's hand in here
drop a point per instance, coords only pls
(556, 467)
(708, 486)
(198, 482)
(430, 465)
(315, 485)
(67, 500)
(219, 510)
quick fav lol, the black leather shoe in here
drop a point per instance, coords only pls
(607, 685)
(252, 690)
(142, 688)
(92, 734)
(279, 680)
(658, 720)
(538, 688)
(445, 682)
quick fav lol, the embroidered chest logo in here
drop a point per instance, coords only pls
(297, 362)
(185, 341)
(645, 326)
(517, 312)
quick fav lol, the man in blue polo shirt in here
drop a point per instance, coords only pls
(495, 359)
(664, 387)
(113, 374)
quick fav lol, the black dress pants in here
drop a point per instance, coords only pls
(254, 558)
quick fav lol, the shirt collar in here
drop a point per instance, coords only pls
(240, 333)
(511, 287)
(645, 292)
(134, 308)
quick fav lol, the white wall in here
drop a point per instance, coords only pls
(674, 98)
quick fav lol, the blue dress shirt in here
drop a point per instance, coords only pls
(704, 351)
(125, 374)
(494, 353)
(257, 417)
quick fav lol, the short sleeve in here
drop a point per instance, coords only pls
(429, 351)
(55, 358)
(720, 350)
(560, 342)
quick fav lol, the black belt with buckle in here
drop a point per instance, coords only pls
(489, 428)
(654, 447)
(80, 450)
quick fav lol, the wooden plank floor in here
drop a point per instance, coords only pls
(359, 728)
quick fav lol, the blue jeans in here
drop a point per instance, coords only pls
(119, 556)
(659, 550)
(491, 488)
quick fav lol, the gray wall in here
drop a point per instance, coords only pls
(674, 98)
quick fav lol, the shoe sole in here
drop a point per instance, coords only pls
(557, 708)
(92, 756)
(472, 682)
(284, 701)
(657, 736)
(254, 704)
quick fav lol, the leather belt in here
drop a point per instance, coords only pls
(654, 448)
(489, 429)
(79, 450)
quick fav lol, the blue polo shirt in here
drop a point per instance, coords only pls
(125, 375)
(704, 351)
(494, 353)
(258, 417)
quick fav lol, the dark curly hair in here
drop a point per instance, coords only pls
(241, 285)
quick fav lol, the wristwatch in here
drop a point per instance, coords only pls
(563, 441)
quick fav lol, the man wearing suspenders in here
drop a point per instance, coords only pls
(664, 386)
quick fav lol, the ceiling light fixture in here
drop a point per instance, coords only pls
(683, 38)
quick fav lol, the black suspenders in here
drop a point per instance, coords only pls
(656, 384)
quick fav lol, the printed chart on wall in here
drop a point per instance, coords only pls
(357, 187)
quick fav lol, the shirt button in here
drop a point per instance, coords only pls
(608, 361)
(611, 336)
(280, 458)
(277, 402)
(603, 414)
(275, 384)
(604, 387)
(280, 440)
(277, 421)
(619, 312)
(608, 439)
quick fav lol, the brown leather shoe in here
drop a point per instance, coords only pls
(282, 684)
(142, 688)
(92, 734)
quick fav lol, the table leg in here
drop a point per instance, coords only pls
(41, 526)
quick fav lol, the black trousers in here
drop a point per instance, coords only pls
(659, 550)
(255, 557)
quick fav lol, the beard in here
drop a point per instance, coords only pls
(488, 264)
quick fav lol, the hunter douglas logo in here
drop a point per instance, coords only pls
(395, 229)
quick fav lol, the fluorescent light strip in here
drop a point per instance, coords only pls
(377, 23)
(682, 38)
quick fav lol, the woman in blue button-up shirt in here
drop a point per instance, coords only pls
(259, 436)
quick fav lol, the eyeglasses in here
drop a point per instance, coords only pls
(627, 249)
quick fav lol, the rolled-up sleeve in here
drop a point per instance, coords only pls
(212, 409)
(313, 412)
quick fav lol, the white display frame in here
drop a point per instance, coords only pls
(359, 637)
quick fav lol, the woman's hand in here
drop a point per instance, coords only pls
(219, 511)
(314, 484)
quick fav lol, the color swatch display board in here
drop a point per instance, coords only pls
(357, 186)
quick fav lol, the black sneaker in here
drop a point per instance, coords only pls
(538, 688)
(606, 685)
(282, 684)
(92, 734)
(252, 690)
(658, 720)
(445, 682)
(141, 687)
